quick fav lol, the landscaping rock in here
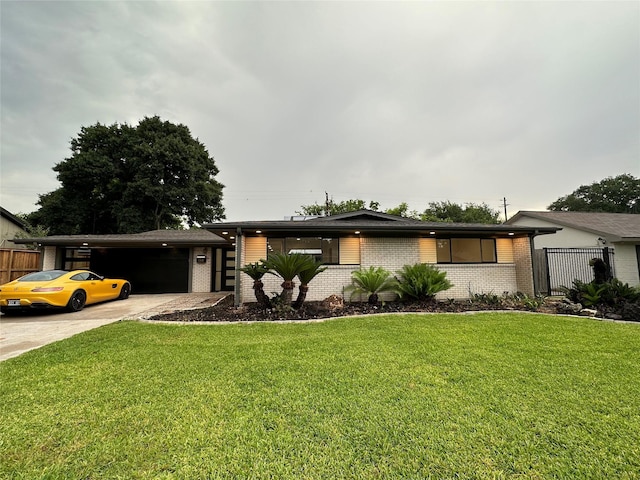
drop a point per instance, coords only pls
(588, 312)
(333, 303)
(567, 306)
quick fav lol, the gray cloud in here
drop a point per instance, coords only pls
(415, 101)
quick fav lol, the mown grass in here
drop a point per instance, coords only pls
(491, 395)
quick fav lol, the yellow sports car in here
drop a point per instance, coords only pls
(60, 289)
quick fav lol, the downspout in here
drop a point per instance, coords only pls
(237, 287)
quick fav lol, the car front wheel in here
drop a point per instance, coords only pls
(125, 291)
(77, 301)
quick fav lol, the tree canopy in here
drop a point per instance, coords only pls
(619, 194)
(336, 208)
(467, 213)
(435, 212)
(129, 179)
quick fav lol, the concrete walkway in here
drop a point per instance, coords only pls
(23, 332)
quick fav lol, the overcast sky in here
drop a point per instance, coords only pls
(389, 101)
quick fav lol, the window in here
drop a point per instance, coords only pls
(324, 250)
(76, 258)
(466, 250)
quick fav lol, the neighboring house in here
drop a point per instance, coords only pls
(619, 232)
(478, 258)
(10, 226)
(160, 261)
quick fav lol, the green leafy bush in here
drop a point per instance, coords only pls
(421, 281)
(611, 296)
(371, 282)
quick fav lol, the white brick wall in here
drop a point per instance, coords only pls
(467, 280)
(49, 258)
(389, 253)
(524, 267)
(626, 263)
(201, 272)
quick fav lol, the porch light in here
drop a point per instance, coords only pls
(164, 244)
(85, 244)
(258, 231)
(357, 232)
(511, 234)
(432, 233)
(225, 233)
(232, 237)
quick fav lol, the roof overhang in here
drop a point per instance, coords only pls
(228, 230)
(155, 239)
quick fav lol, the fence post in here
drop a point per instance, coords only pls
(546, 262)
(607, 262)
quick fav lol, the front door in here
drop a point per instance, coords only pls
(224, 269)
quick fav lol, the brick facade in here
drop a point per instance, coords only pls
(393, 253)
(200, 272)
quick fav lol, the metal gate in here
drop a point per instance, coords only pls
(559, 267)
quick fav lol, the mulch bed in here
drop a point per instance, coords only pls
(225, 311)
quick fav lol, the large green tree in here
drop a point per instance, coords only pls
(129, 179)
(467, 213)
(435, 212)
(619, 194)
(332, 208)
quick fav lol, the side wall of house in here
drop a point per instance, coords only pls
(626, 263)
(8, 231)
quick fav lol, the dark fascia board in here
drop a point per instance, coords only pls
(412, 228)
(147, 239)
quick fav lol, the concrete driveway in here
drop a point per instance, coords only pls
(22, 332)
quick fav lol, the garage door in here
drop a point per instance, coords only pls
(150, 270)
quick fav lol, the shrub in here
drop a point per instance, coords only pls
(421, 281)
(287, 267)
(612, 296)
(372, 282)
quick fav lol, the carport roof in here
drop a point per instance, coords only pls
(194, 237)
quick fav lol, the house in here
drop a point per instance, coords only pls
(10, 226)
(478, 258)
(615, 234)
(159, 261)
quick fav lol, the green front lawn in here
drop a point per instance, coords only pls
(491, 395)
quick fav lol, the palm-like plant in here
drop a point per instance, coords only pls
(287, 267)
(372, 282)
(312, 269)
(256, 271)
(421, 281)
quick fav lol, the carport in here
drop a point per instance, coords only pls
(159, 261)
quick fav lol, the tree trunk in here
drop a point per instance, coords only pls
(261, 297)
(373, 299)
(287, 292)
(302, 295)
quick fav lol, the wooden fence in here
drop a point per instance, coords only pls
(15, 263)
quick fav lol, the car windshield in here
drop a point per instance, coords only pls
(42, 276)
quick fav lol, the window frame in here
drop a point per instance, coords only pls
(485, 252)
(333, 256)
